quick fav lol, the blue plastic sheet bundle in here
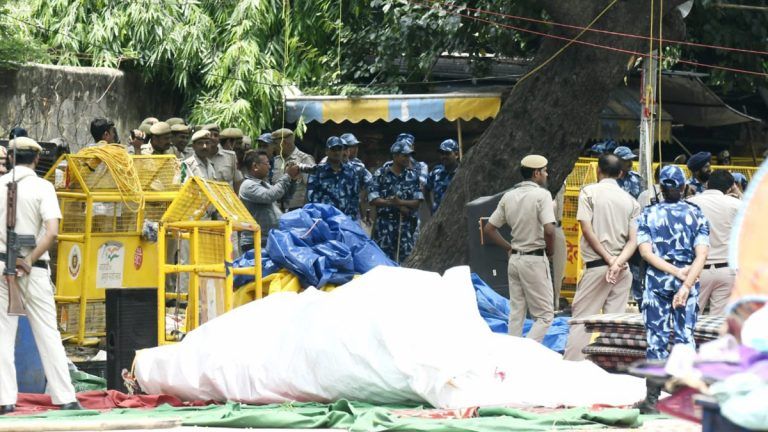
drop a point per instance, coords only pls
(494, 309)
(319, 244)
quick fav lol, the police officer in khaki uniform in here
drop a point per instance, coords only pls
(37, 214)
(199, 165)
(528, 211)
(180, 141)
(720, 209)
(561, 249)
(606, 213)
(225, 165)
(161, 139)
(213, 128)
(286, 154)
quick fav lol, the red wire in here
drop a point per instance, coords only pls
(629, 35)
(621, 50)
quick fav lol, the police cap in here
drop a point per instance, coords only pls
(24, 143)
(534, 161)
(160, 128)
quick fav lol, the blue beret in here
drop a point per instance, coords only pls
(349, 139)
(624, 153)
(697, 161)
(672, 176)
(334, 141)
(406, 137)
(401, 147)
(449, 145)
(265, 138)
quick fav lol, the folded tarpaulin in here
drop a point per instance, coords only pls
(352, 416)
(494, 309)
(319, 244)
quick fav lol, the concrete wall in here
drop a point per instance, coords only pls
(59, 101)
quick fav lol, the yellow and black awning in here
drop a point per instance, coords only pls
(419, 107)
(619, 120)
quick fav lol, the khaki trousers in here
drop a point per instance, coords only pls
(530, 288)
(716, 286)
(558, 263)
(594, 294)
(37, 293)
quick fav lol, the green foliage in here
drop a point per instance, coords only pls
(16, 42)
(235, 59)
(232, 59)
(714, 23)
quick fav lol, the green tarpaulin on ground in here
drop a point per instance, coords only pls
(353, 416)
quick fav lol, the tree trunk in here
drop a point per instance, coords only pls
(553, 113)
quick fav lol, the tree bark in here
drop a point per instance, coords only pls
(553, 112)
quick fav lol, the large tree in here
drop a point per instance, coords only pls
(553, 112)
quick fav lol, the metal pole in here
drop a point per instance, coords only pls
(648, 101)
(461, 139)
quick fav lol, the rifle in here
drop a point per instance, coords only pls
(14, 243)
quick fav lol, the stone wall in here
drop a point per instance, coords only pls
(60, 101)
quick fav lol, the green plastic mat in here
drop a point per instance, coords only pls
(353, 416)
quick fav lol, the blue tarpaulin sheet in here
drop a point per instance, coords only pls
(319, 244)
(494, 309)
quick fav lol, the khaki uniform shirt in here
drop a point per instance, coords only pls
(225, 166)
(194, 167)
(36, 202)
(278, 169)
(721, 211)
(611, 210)
(526, 209)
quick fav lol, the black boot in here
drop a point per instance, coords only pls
(71, 406)
(5, 409)
(648, 406)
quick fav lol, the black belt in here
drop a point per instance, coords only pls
(538, 252)
(559, 224)
(39, 263)
(596, 263)
(716, 265)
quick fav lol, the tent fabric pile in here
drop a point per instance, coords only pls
(392, 335)
(319, 244)
(622, 341)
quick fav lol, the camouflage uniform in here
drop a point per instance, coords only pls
(696, 185)
(438, 182)
(673, 230)
(389, 224)
(340, 189)
(632, 183)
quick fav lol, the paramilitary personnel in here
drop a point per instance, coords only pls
(630, 181)
(442, 175)
(396, 194)
(700, 166)
(673, 238)
(335, 181)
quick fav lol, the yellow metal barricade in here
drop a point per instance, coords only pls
(203, 222)
(99, 243)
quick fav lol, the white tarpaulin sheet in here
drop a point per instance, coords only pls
(392, 335)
